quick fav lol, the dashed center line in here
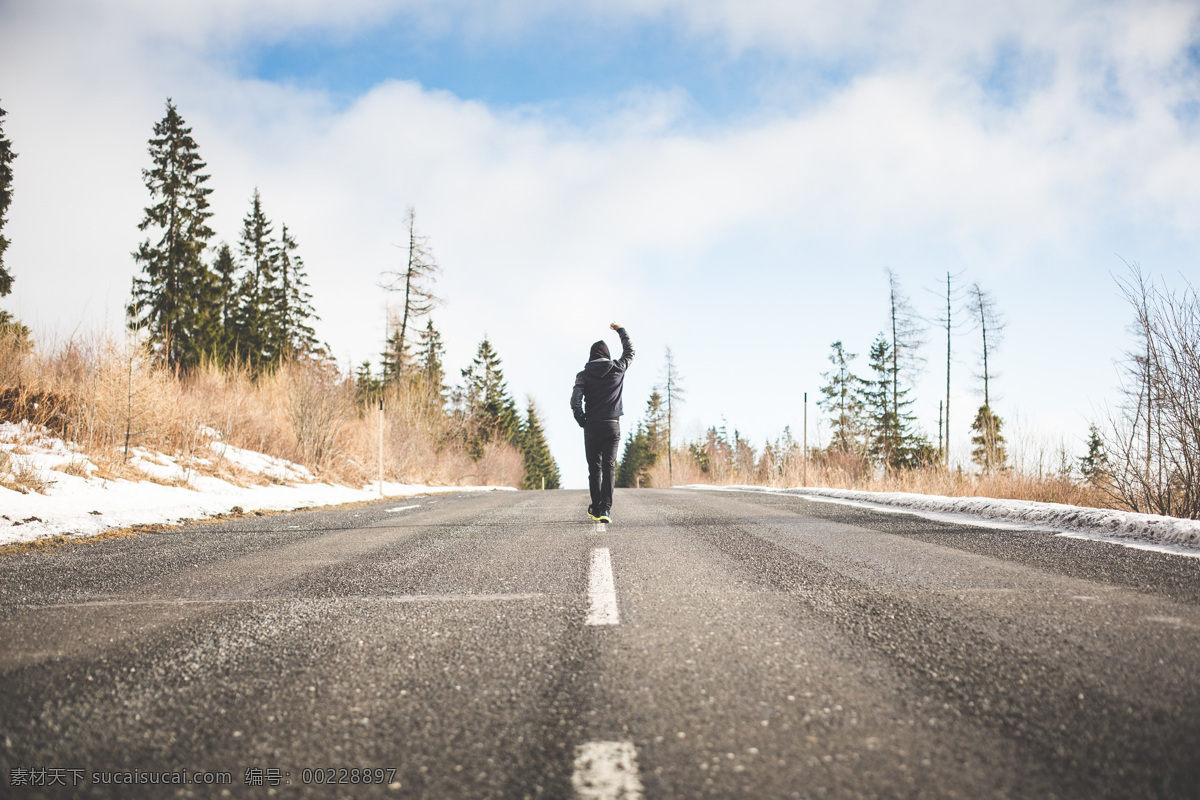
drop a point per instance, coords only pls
(602, 592)
(401, 508)
(606, 771)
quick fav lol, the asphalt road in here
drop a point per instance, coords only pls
(500, 646)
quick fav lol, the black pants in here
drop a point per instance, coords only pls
(600, 441)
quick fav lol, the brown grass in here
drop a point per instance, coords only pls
(108, 398)
(853, 474)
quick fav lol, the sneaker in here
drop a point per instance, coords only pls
(603, 518)
(592, 514)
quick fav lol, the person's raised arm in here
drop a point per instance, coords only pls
(626, 346)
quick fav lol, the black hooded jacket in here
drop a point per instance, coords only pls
(597, 393)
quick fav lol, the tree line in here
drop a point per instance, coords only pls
(870, 417)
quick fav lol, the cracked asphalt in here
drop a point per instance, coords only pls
(768, 647)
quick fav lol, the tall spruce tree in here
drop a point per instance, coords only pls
(171, 301)
(293, 301)
(258, 330)
(541, 471)
(491, 413)
(6, 178)
(842, 400)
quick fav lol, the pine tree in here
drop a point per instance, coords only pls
(171, 301)
(367, 387)
(225, 270)
(293, 301)
(891, 440)
(842, 401)
(639, 456)
(646, 445)
(6, 178)
(258, 328)
(541, 471)
(988, 451)
(12, 333)
(412, 281)
(429, 356)
(1094, 465)
(491, 413)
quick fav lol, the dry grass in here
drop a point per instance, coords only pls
(853, 474)
(108, 398)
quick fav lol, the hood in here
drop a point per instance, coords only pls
(599, 350)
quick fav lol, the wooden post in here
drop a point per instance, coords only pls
(381, 447)
(804, 478)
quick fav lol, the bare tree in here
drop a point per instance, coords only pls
(1154, 438)
(907, 338)
(413, 281)
(952, 297)
(990, 324)
(989, 450)
(673, 393)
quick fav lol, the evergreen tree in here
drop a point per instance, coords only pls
(258, 329)
(1094, 465)
(12, 332)
(225, 270)
(430, 352)
(988, 451)
(367, 387)
(293, 301)
(639, 456)
(172, 300)
(842, 401)
(891, 441)
(646, 445)
(411, 281)
(6, 178)
(539, 463)
(491, 413)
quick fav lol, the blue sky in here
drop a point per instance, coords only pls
(727, 177)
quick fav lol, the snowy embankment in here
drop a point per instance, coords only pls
(66, 496)
(1145, 531)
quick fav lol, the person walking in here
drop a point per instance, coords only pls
(596, 403)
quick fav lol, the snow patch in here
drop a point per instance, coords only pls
(76, 502)
(1141, 531)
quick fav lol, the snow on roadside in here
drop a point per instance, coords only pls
(78, 503)
(1143, 531)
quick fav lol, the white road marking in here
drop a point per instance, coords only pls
(401, 508)
(602, 592)
(606, 771)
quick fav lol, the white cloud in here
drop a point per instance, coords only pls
(748, 246)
